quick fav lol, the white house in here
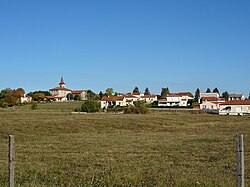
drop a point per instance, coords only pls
(113, 101)
(81, 93)
(211, 105)
(176, 99)
(208, 97)
(210, 101)
(235, 107)
(26, 99)
(149, 98)
(125, 100)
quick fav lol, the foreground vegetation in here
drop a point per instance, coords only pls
(164, 148)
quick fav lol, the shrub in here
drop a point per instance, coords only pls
(90, 106)
(34, 106)
(3, 104)
(136, 110)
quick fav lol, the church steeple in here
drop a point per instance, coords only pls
(62, 83)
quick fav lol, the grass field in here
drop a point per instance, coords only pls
(56, 148)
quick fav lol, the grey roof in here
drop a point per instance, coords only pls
(236, 95)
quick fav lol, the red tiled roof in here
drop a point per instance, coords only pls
(112, 98)
(129, 100)
(78, 91)
(183, 93)
(217, 102)
(59, 88)
(149, 96)
(130, 96)
(237, 102)
(209, 99)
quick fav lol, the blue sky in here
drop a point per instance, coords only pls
(97, 44)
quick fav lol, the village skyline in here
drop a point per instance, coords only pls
(122, 44)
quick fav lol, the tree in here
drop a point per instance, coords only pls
(109, 91)
(216, 91)
(101, 95)
(249, 96)
(9, 96)
(77, 98)
(38, 96)
(70, 96)
(147, 92)
(225, 95)
(136, 90)
(164, 92)
(91, 95)
(90, 106)
(20, 92)
(197, 95)
(208, 90)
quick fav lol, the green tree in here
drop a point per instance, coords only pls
(77, 97)
(90, 106)
(216, 91)
(225, 95)
(101, 95)
(208, 90)
(136, 90)
(147, 92)
(91, 95)
(70, 96)
(109, 91)
(38, 96)
(197, 95)
(164, 92)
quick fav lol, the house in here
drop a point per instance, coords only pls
(149, 98)
(25, 99)
(211, 105)
(232, 97)
(208, 96)
(235, 107)
(126, 99)
(81, 93)
(60, 93)
(109, 101)
(176, 99)
(210, 101)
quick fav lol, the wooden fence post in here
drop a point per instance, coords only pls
(240, 160)
(11, 161)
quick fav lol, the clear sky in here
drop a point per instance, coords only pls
(96, 44)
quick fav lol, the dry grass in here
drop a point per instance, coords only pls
(56, 148)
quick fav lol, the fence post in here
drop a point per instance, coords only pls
(11, 160)
(240, 160)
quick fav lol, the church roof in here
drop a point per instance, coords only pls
(59, 88)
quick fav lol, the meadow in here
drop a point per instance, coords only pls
(165, 148)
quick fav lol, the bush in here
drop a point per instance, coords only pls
(136, 110)
(34, 106)
(3, 104)
(90, 106)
